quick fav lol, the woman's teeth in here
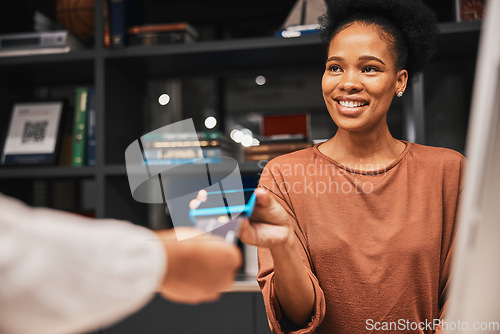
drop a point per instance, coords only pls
(351, 104)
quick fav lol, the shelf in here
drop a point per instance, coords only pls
(222, 56)
(62, 68)
(214, 46)
(53, 72)
(115, 170)
(218, 47)
(226, 56)
(33, 172)
(110, 170)
(254, 44)
(49, 58)
(210, 56)
(460, 27)
(245, 167)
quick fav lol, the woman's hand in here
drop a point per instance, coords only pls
(269, 226)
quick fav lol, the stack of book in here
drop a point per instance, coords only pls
(124, 24)
(280, 134)
(186, 148)
(167, 33)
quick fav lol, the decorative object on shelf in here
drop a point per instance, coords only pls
(303, 19)
(470, 10)
(33, 134)
(163, 33)
(31, 43)
(78, 18)
(297, 31)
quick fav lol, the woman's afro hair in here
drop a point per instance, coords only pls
(411, 27)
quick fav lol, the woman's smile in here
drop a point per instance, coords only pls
(350, 106)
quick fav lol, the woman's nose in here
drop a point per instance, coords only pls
(350, 82)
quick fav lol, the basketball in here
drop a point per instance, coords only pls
(77, 16)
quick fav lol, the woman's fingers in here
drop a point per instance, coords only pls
(263, 199)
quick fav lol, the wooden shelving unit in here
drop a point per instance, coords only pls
(119, 77)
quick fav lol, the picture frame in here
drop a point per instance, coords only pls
(33, 134)
(469, 10)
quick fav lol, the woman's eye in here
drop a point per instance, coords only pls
(369, 69)
(334, 68)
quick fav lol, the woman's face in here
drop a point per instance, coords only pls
(360, 78)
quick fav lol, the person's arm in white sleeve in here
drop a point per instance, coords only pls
(62, 273)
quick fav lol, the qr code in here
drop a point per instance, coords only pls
(35, 132)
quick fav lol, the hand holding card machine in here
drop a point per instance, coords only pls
(220, 212)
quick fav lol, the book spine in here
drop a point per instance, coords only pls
(106, 24)
(117, 24)
(91, 127)
(79, 125)
(123, 14)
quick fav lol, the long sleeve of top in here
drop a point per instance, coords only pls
(377, 245)
(63, 273)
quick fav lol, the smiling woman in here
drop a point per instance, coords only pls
(374, 49)
(360, 80)
(335, 261)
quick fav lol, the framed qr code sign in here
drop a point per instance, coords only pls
(33, 133)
